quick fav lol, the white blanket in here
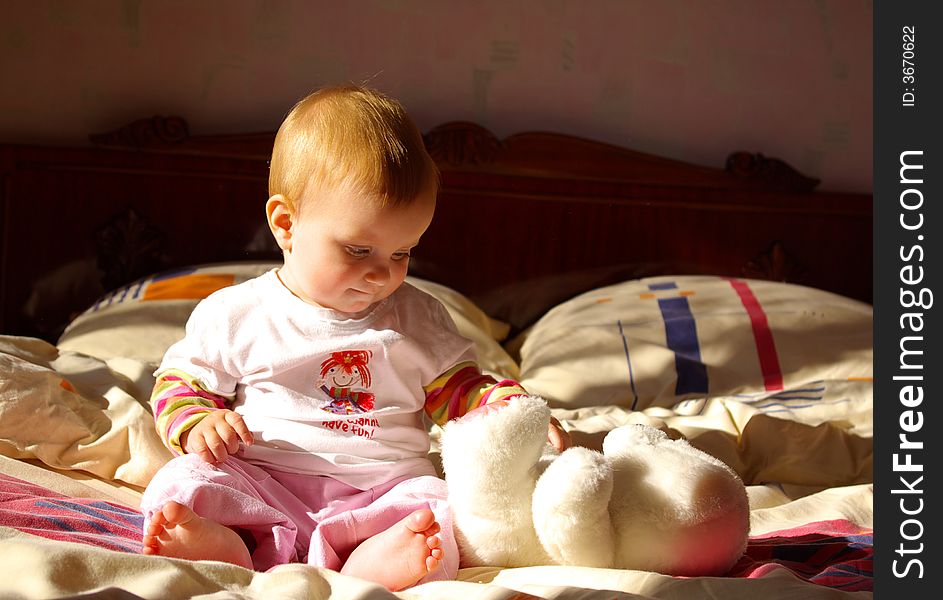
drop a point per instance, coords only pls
(78, 425)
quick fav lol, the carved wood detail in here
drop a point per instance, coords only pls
(457, 144)
(773, 173)
(775, 264)
(155, 132)
(129, 246)
(462, 143)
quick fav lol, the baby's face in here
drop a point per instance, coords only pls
(347, 253)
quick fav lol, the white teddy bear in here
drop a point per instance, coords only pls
(647, 502)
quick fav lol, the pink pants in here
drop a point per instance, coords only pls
(299, 518)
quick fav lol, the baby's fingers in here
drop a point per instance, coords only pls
(228, 440)
(199, 445)
(558, 437)
(239, 426)
(218, 444)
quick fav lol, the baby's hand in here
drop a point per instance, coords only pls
(217, 436)
(558, 437)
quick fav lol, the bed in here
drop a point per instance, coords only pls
(729, 305)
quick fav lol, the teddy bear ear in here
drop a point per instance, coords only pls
(632, 435)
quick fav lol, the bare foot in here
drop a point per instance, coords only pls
(400, 556)
(178, 532)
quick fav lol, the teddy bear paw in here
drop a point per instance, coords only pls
(571, 509)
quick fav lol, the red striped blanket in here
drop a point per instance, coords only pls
(837, 554)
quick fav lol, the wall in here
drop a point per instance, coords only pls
(689, 79)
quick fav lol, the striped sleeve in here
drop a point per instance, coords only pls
(464, 388)
(179, 402)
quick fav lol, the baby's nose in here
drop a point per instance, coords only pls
(378, 275)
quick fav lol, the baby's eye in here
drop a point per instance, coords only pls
(358, 251)
(402, 255)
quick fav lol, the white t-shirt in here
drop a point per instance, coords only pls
(323, 393)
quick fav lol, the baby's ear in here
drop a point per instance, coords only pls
(280, 219)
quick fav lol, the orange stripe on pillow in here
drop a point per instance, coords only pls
(187, 287)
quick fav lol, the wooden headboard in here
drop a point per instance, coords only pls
(521, 223)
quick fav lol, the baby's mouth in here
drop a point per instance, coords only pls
(372, 294)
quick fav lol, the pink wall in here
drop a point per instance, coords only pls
(689, 79)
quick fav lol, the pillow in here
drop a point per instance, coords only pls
(663, 340)
(477, 326)
(141, 320)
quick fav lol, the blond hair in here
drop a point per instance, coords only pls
(352, 136)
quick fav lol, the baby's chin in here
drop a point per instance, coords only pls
(354, 303)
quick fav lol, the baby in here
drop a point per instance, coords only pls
(295, 401)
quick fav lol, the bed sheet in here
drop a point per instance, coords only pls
(78, 445)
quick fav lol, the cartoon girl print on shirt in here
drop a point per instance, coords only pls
(340, 374)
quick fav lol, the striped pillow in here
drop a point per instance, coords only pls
(660, 341)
